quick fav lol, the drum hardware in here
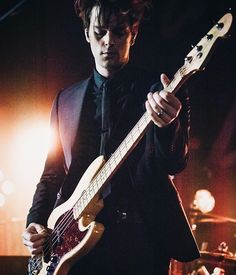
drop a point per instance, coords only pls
(199, 217)
(221, 258)
(213, 261)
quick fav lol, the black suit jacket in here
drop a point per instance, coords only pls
(160, 153)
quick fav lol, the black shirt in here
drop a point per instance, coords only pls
(118, 94)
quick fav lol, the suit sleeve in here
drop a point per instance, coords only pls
(172, 143)
(52, 177)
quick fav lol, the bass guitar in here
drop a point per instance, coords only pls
(74, 229)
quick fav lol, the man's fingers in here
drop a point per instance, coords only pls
(35, 251)
(159, 119)
(36, 228)
(164, 80)
(35, 236)
(170, 98)
(33, 244)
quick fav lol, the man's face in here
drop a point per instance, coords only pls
(110, 43)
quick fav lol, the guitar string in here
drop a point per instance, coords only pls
(66, 226)
(66, 220)
(110, 162)
(64, 223)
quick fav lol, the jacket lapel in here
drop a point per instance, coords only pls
(69, 112)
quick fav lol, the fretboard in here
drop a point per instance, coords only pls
(122, 152)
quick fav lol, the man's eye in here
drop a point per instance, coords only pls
(119, 31)
(99, 33)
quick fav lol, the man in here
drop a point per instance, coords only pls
(145, 225)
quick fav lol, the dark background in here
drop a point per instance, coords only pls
(42, 50)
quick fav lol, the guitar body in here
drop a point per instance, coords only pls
(75, 232)
(81, 235)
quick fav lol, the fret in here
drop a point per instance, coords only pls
(82, 200)
(121, 152)
(193, 62)
(98, 181)
(123, 148)
(109, 164)
(121, 155)
(126, 146)
(77, 209)
(91, 189)
(114, 158)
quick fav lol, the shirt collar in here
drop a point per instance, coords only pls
(99, 79)
(118, 78)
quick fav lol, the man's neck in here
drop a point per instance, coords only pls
(109, 73)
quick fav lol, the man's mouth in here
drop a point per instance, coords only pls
(108, 53)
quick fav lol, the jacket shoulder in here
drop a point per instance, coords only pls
(73, 90)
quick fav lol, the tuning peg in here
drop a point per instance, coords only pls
(199, 48)
(188, 59)
(199, 55)
(219, 25)
(209, 36)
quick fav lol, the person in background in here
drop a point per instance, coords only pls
(145, 224)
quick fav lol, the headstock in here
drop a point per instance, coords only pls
(197, 57)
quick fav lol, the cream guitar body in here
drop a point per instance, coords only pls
(75, 235)
(74, 231)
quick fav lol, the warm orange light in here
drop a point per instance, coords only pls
(29, 146)
(7, 187)
(204, 201)
(2, 199)
(1, 176)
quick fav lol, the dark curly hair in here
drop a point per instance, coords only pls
(133, 9)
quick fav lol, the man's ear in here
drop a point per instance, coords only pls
(134, 32)
(86, 35)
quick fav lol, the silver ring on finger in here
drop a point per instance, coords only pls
(160, 113)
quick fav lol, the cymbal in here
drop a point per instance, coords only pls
(222, 259)
(212, 218)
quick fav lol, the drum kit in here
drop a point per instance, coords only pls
(216, 237)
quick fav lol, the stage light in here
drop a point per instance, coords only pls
(7, 187)
(2, 199)
(203, 201)
(29, 149)
(29, 146)
(1, 176)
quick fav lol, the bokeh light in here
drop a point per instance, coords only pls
(7, 187)
(29, 149)
(2, 200)
(1, 176)
(204, 201)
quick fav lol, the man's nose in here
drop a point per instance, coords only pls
(109, 38)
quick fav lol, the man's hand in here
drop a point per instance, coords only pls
(34, 237)
(163, 107)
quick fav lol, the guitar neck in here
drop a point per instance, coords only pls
(194, 61)
(132, 139)
(122, 152)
